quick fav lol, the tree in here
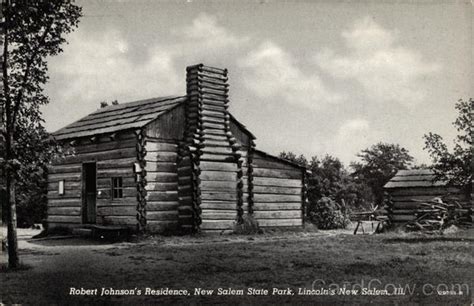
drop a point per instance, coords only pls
(455, 167)
(330, 179)
(378, 164)
(33, 31)
(420, 166)
(290, 156)
(326, 177)
(37, 150)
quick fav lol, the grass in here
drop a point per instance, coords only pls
(307, 260)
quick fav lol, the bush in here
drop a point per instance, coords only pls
(31, 198)
(249, 226)
(327, 214)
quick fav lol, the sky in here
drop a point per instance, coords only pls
(311, 77)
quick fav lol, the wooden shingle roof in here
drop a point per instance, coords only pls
(414, 178)
(119, 117)
(125, 116)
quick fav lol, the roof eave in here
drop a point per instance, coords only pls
(283, 160)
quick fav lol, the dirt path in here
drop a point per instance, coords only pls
(312, 260)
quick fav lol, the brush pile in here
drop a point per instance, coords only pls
(436, 215)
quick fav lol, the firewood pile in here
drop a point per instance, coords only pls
(436, 215)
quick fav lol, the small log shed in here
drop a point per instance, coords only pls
(410, 187)
(171, 164)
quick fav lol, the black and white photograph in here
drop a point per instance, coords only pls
(205, 152)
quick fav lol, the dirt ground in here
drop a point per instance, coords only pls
(430, 269)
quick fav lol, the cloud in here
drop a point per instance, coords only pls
(351, 127)
(98, 68)
(104, 66)
(208, 34)
(271, 72)
(386, 71)
(349, 138)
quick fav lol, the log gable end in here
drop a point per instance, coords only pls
(162, 137)
(171, 164)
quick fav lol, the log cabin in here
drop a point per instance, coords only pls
(171, 164)
(408, 188)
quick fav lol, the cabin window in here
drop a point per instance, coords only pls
(117, 188)
(61, 187)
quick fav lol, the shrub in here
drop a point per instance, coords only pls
(249, 226)
(327, 214)
(32, 198)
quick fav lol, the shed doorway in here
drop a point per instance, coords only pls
(89, 193)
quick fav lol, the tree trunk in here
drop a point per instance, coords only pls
(13, 260)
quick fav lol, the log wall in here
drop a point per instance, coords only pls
(115, 157)
(406, 200)
(246, 195)
(245, 149)
(162, 199)
(162, 185)
(277, 192)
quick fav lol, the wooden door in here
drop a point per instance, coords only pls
(89, 193)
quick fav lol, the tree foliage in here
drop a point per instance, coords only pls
(329, 178)
(378, 164)
(300, 160)
(328, 214)
(332, 180)
(33, 31)
(454, 166)
(37, 149)
(332, 191)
